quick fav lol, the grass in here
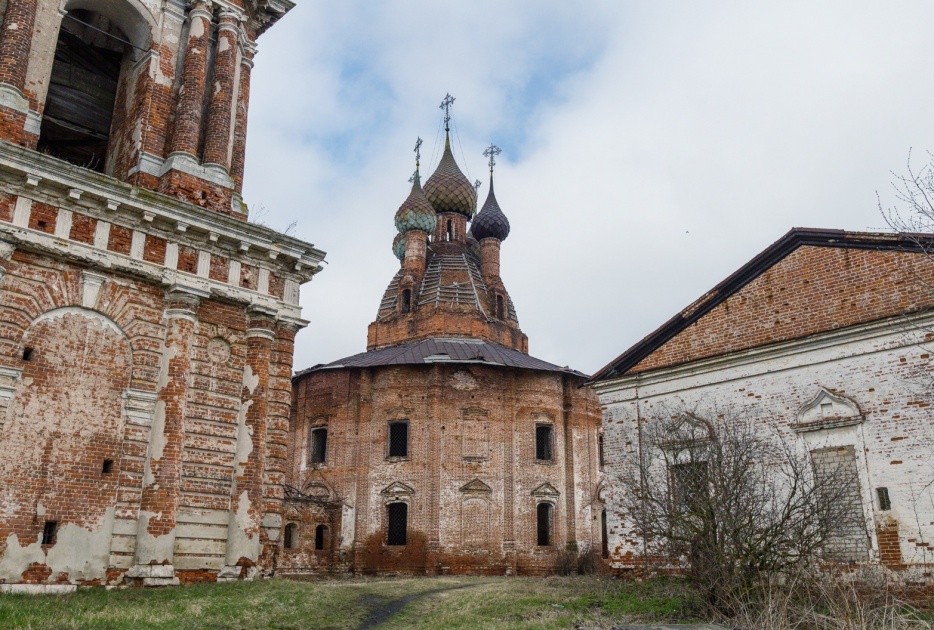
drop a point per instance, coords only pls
(464, 602)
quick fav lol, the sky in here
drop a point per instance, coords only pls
(649, 148)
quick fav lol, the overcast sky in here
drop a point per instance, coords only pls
(649, 149)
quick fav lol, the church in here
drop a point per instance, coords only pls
(445, 447)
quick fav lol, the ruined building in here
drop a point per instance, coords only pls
(146, 327)
(444, 447)
(823, 342)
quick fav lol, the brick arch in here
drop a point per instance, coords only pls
(132, 16)
(63, 437)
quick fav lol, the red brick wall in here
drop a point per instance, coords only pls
(43, 217)
(121, 239)
(814, 289)
(82, 228)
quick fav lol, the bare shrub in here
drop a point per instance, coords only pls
(731, 503)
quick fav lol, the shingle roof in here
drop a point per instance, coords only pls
(443, 350)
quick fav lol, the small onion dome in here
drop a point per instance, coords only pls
(448, 189)
(416, 212)
(398, 245)
(490, 222)
(473, 245)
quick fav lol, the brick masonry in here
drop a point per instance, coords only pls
(142, 431)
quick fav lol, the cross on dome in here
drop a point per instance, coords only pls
(446, 106)
(491, 152)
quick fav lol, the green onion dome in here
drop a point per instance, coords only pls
(448, 189)
(416, 212)
(398, 245)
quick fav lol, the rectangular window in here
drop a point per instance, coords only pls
(49, 532)
(398, 517)
(544, 442)
(319, 445)
(885, 504)
(600, 450)
(690, 485)
(544, 524)
(399, 438)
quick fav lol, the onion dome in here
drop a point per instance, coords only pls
(448, 189)
(416, 212)
(490, 222)
(398, 245)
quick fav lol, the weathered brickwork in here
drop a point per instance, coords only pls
(848, 382)
(144, 387)
(444, 448)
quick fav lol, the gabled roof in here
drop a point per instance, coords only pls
(772, 255)
(443, 350)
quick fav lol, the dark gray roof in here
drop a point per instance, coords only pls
(444, 350)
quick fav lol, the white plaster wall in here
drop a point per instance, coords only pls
(884, 368)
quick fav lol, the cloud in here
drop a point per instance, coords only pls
(649, 150)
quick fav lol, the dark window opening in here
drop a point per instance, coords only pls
(885, 504)
(544, 524)
(406, 301)
(319, 445)
(500, 307)
(41, 224)
(450, 232)
(399, 439)
(690, 483)
(27, 354)
(291, 536)
(398, 517)
(79, 109)
(108, 466)
(604, 541)
(49, 532)
(320, 532)
(600, 451)
(544, 447)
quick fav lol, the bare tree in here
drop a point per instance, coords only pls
(732, 503)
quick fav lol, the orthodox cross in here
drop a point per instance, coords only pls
(491, 152)
(418, 151)
(476, 185)
(446, 106)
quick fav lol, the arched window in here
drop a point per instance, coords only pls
(321, 531)
(544, 524)
(500, 307)
(406, 300)
(291, 536)
(450, 231)
(397, 517)
(94, 60)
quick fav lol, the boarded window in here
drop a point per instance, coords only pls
(398, 521)
(319, 445)
(544, 442)
(544, 524)
(835, 468)
(600, 451)
(399, 438)
(885, 504)
(689, 486)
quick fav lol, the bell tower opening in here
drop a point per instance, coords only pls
(79, 115)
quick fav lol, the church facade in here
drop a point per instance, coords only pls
(821, 342)
(445, 447)
(146, 327)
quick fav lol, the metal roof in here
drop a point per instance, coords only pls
(443, 350)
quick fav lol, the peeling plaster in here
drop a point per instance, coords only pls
(153, 549)
(60, 313)
(244, 439)
(250, 380)
(80, 553)
(17, 559)
(239, 543)
(157, 442)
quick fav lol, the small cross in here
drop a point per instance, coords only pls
(418, 151)
(446, 106)
(491, 152)
(476, 185)
(414, 175)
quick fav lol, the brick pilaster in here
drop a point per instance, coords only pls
(243, 108)
(194, 70)
(246, 510)
(220, 111)
(159, 502)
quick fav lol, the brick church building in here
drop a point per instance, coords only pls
(445, 447)
(146, 328)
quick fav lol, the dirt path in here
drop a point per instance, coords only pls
(383, 610)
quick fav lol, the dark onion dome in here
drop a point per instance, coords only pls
(416, 212)
(448, 189)
(398, 245)
(490, 222)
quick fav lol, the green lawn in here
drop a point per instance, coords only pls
(447, 602)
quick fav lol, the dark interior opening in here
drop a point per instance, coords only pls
(291, 540)
(543, 442)
(604, 542)
(319, 445)
(79, 108)
(544, 524)
(406, 301)
(398, 514)
(49, 532)
(399, 439)
(320, 532)
(27, 354)
(108, 466)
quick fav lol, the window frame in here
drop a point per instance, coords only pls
(550, 444)
(389, 530)
(548, 528)
(290, 536)
(312, 451)
(389, 441)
